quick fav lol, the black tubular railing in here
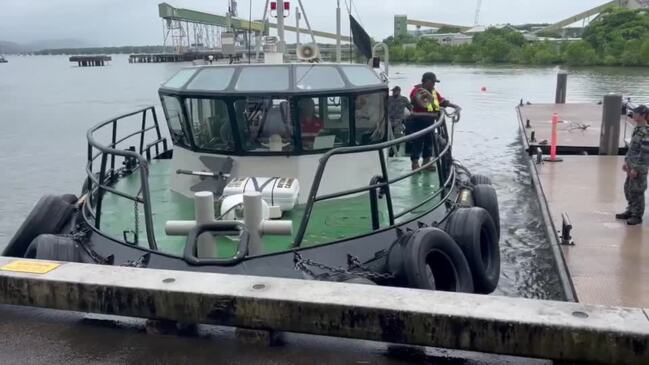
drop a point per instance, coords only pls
(98, 183)
(383, 181)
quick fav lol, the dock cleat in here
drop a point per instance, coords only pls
(634, 221)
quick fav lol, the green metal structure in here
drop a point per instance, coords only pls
(170, 13)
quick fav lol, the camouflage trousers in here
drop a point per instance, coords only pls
(634, 192)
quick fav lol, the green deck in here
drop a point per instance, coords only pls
(330, 220)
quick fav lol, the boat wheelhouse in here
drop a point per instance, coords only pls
(276, 170)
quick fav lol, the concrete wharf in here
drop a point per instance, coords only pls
(602, 260)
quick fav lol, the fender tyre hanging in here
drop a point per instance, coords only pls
(475, 232)
(484, 196)
(49, 215)
(480, 180)
(432, 260)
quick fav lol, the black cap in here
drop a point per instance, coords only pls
(429, 76)
(642, 110)
(396, 88)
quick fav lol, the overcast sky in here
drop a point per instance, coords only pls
(136, 22)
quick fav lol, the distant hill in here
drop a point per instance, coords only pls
(8, 47)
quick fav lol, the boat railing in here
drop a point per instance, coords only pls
(443, 161)
(99, 182)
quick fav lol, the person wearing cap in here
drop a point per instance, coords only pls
(397, 105)
(636, 164)
(425, 112)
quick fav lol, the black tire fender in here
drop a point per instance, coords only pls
(432, 260)
(49, 215)
(484, 196)
(475, 232)
(59, 248)
(480, 180)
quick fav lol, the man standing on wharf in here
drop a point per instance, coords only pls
(636, 164)
(427, 103)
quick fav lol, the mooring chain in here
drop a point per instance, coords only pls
(354, 268)
(80, 235)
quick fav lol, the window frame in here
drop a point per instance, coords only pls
(230, 98)
(192, 136)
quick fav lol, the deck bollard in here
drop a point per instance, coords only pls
(204, 213)
(533, 136)
(253, 219)
(562, 85)
(528, 124)
(609, 141)
(553, 143)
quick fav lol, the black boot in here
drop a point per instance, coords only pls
(626, 215)
(633, 221)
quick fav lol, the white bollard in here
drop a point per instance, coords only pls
(179, 228)
(277, 228)
(254, 210)
(204, 213)
(252, 218)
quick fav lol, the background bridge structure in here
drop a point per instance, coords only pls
(401, 22)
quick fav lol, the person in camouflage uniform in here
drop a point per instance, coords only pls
(397, 105)
(636, 164)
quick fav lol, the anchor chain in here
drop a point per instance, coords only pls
(80, 234)
(354, 268)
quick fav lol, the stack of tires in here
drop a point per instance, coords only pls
(464, 257)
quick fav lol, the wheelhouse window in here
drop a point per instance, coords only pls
(210, 124)
(180, 79)
(263, 78)
(264, 124)
(318, 78)
(175, 120)
(323, 122)
(370, 118)
(212, 79)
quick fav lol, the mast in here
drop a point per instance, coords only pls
(280, 25)
(338, 49)
(297, 26)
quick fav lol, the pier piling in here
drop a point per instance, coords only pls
(562, 85)
(610, 133)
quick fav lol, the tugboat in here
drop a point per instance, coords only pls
(274, 170)
(3, 60)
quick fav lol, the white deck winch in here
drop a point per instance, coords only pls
(279, 192)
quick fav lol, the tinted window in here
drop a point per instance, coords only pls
(179, 79)
(317, 78)
(264, 124)
(323, 122)
(370, 118)
(213, 79)
(210, 124)
(263, 79)
(175, 120)
(361, 76)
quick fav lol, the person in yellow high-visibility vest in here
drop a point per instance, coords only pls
(426, 110)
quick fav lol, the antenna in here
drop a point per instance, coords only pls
(477, 13)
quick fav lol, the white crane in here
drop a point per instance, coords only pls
(477, 13)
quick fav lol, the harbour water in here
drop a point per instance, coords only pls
(47, 104)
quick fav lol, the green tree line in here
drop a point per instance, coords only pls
(620, 37)
(106, 50)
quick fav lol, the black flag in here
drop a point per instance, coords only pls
(361, 38)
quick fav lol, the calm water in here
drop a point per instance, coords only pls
(46, 106)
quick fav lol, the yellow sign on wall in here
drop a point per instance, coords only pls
(32, 267)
